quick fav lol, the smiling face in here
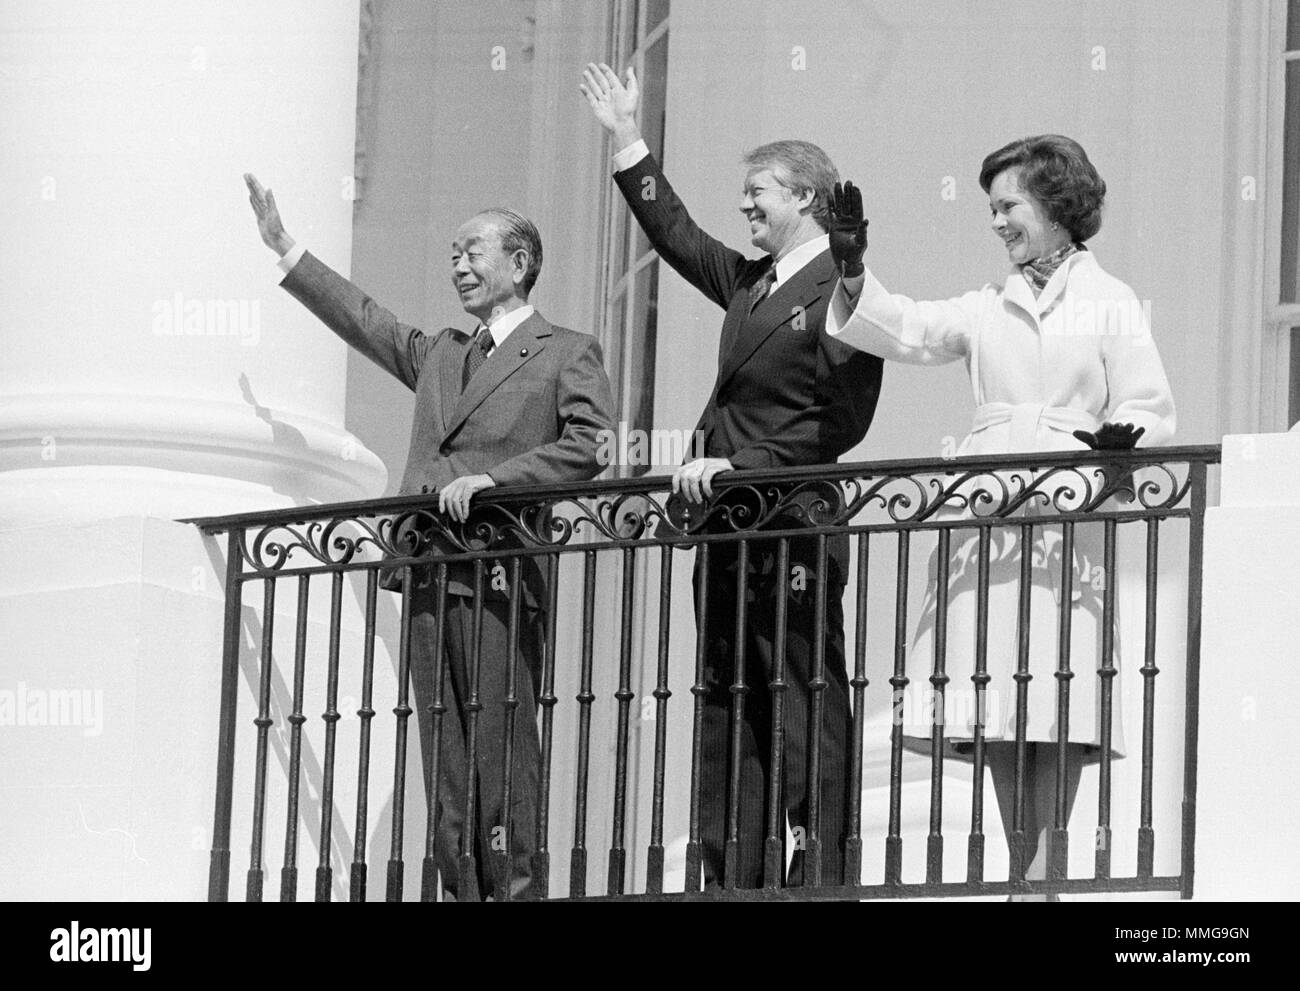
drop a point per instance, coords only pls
(1020, 220)
(487, 278)
(773, 212)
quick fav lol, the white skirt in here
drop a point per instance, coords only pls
(960, 711)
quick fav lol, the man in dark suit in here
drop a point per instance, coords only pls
(786, 394)
(517, 402)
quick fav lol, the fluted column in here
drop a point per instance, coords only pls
(148, 364)
(151, 370)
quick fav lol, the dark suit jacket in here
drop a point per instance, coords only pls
(532, 414)
(786, 392)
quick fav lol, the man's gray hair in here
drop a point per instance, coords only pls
(518, 233)
(799, 166)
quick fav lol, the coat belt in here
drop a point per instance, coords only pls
(1025, 418)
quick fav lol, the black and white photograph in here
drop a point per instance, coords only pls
(678, 452)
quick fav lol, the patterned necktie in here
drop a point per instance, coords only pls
(476, 355)
(759, 290)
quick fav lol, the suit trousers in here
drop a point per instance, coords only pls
(490, 843)
(763, 588)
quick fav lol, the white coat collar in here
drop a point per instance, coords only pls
(1017, 288)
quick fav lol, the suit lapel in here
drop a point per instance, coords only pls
(524, 343)
(799, 293)
(737, 314)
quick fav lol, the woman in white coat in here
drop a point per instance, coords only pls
(1060, 358)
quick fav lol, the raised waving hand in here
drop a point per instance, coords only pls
(613, 101)
(848, 229)
(269, 224)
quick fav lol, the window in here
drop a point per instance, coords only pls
(638, 37)
(1290, 248)
(1293, 401)
(1283, 276)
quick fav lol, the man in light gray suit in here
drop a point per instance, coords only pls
(519, 401)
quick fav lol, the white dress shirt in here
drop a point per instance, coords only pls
(790, 266)
(507, 322)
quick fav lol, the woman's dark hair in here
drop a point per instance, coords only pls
(1056, 172)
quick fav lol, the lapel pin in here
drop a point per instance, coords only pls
(523, 352)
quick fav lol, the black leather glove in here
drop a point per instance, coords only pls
(848, 229)
(1112, 437)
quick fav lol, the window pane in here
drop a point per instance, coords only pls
(630, 36)
(654, 84)
(616, 331)
(639, 404)
(1291, 187)
(622, 218)
(657, 10)
(1293, 26)
(1293, 407)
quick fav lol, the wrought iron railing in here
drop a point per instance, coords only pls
(972, 509)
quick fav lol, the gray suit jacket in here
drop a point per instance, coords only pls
(532, 414)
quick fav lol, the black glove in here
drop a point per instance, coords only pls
(848, 229)
(1112, 437)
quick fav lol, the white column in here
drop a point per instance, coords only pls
(149, 365)
(1248, 795)
(151, 370)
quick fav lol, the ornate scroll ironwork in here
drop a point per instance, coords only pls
(850, 495)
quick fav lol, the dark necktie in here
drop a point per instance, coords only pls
(759, 290)
(476, 355)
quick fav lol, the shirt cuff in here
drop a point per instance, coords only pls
(842, 305)
(629, 156)
(291, 258)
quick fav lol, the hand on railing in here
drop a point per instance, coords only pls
(454, 499)
(693, 481)
(1112, 437)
